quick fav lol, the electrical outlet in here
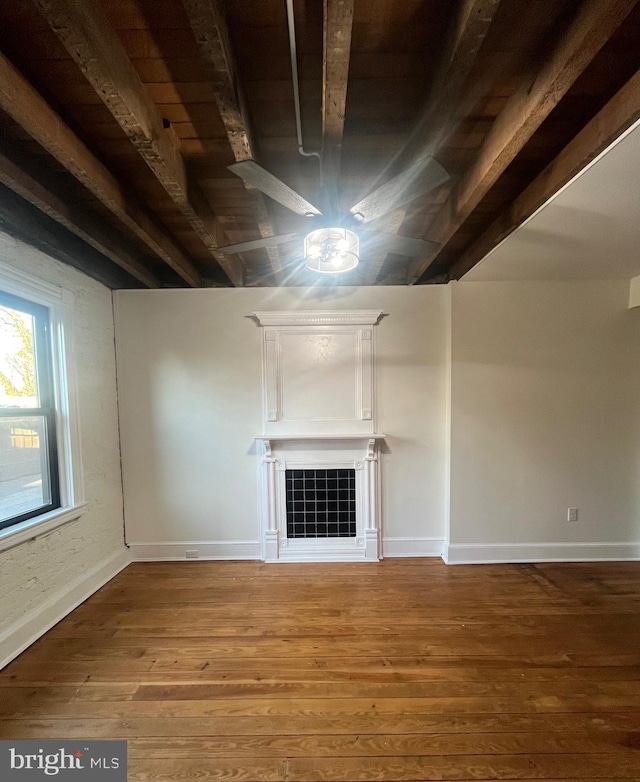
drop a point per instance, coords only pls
(191, 553)
(572, 514)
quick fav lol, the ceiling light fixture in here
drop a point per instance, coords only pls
(331, 250)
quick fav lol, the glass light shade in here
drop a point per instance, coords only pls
(331, 250)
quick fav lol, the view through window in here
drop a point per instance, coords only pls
(28, 458)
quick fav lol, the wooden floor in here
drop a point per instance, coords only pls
(403, 670)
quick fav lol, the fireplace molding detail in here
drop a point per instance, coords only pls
(319, 413)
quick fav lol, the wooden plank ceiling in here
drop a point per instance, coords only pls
(119, 118)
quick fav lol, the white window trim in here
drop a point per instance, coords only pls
(59, 302)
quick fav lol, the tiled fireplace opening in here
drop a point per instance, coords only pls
(321, 503)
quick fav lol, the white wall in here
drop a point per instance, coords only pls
(189, 368)
(545, 415)
(42, 579)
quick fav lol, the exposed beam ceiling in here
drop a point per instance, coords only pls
(525, 111)
(83, 28)
(467, 34)
(25, 222)
(587, 231)
(74, 218)
(120, 122)
(617, 116)
(23, 103)
(209, 25)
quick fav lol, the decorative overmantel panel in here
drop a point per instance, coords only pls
(318, 371)
(319, 430)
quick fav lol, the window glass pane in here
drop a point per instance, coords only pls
(24, 465)
(18, 386)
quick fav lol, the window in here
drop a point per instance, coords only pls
(40, 461)
(29, 484)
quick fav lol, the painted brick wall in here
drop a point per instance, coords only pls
(32, 572)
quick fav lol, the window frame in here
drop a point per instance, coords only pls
(59, 302)
(46, 399)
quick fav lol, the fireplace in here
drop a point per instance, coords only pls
(357, 534)
(320, 453)
(320, 503)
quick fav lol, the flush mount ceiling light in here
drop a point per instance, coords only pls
(331, 250)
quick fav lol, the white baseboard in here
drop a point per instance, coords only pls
(412, 547)
(15, 639)
(240, 549)
(177, 552)
(462, 554)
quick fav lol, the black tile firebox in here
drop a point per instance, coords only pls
(321, 503)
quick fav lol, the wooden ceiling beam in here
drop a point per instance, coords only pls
(84, 30)
(470, 27)
(75, 219)
(338, 24)
(25, 105)
(210, 28)
(468, 31)
(619, 114)
(525, 111)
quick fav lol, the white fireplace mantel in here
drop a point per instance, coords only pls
(270, 439)
(359, 452)
(318, 372)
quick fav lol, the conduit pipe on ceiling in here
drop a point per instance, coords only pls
(296, 86)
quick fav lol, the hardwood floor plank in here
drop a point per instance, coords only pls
(387, 745)
(189, 656)
(401, 670)
(383, 671)
(189, 727)
(21, 695)
(326, 707)
(230, 768)
(362, 689)
(150, 625)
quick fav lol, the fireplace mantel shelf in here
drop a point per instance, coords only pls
(319, 436)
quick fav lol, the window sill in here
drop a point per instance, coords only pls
(41, 525)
